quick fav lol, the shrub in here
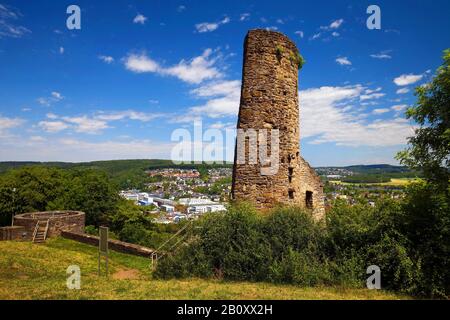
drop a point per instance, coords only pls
(408, 240)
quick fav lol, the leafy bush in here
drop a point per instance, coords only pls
(408, 240)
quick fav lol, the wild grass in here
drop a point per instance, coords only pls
(31, 271)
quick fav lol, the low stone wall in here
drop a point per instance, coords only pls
(58, 221)
(17, 233)
(115, 245)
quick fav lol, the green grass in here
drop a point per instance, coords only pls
(31, 271)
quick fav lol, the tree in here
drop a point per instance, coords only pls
(429, 148)
(92, 192)
(37, 188)
(29, 189)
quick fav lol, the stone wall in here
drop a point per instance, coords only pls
(13, 233)
(58, 221)
(269, 100)
(115, 245)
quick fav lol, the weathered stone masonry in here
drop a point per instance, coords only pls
(269, 100)
(58, 221)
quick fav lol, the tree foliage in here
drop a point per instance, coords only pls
(429, 148)
(408, 240)
(32, 189)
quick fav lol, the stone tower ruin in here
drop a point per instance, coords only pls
(269, 100)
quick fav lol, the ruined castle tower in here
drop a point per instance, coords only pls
(269, 100)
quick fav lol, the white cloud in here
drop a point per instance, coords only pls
(141, 63)
(61, 50)
(210, 26)
(331, 107)
(329, 30)
(77, 150)
(221, 88)
(194, 71)
(57, 96)
(336, 24)
(8, 27)
(181, 8)
(106, 59)
(8, 123)
(380, 110)
(299, 33)
(244, 16)
(93, 124)
(48, 101)
(223, 100)
(343, 61)
(220, 125)
(369, 91)
(128, 114)
(380, 56)
(53, 126)
(315, 36)
(206, 27)
(407, 79)
(141, 19)
(37, 139)
(370, 96)
(84, 124)
(402, 91)
(399, 107)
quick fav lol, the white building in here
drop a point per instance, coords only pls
(204, 208)
(194, 201)
(168, 208)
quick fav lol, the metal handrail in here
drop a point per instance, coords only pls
(158, 253)
(176, 234)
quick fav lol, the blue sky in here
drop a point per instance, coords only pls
(138, 70)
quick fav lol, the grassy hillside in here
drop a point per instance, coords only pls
(30, 271)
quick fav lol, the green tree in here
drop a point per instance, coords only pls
(36, 188)
(29, 189)
(429, 148)
(92, 192)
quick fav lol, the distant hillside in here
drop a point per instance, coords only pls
(377, 168)
(124, 165)
(110, 166)
(375, 173)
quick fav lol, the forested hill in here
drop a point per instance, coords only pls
(110, 166)
(120, 166)
(368, 169)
